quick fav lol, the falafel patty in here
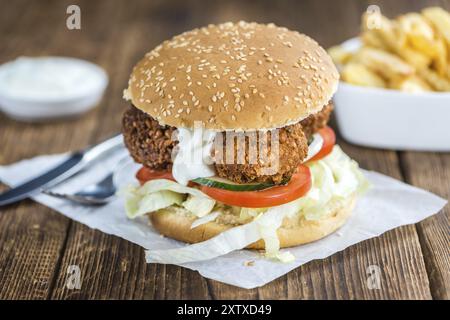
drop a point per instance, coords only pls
(274, 166)
(151, 144)
(316, 121)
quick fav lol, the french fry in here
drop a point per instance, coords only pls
(412, 84)
(440, 61)
(415, 58)
(390, 33)
(437, 82)
(414, 23)
(419, 33)
(396, 40)
(421, 36)
(440, 19)
(371, 39)
(339, 55)
(410, 53)
(359, 74)
(429, 47)
(386, 64)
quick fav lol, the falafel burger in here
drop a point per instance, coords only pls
(229, 123)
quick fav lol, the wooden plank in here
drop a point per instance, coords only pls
(33, 236)
(432, 172)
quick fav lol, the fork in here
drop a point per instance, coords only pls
(96, 194)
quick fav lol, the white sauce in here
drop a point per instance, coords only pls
(193, 158)
(48, 78)
(314, 147)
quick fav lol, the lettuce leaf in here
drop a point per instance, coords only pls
(159, 194)
(334, 178)
(199, 206)
(136, 205)
(205, 219)
(164, 184)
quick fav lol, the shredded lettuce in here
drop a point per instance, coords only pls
(137, 205)
(250, 213)
(334, 178)
(199, 206)
(159, 194)
(164, 184)
(205, 219)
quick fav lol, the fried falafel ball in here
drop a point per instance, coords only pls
(149, 143)
(316, 121)
(275, 166)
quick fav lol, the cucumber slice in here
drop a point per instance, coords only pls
(221, 183)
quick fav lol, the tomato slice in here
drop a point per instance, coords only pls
(329, 139)
(145, 174)
(298, 186)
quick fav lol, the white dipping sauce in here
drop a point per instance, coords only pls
(314, 147)
(193, 156)
(49, 78)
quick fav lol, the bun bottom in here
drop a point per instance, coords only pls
(175, 222)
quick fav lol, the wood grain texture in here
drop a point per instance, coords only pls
(432, 172)
(38, 245)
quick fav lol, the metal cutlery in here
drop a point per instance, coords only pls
(76, 162)
(96, 194)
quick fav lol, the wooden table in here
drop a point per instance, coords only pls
(38, 244)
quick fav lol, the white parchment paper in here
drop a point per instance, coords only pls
(389, 204)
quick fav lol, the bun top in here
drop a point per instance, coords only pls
(234, 76)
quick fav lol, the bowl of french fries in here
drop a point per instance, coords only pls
(394, 91)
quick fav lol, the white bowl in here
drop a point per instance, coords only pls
(39, 107)
(392, 119)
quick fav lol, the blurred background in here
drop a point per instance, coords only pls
(115, 34)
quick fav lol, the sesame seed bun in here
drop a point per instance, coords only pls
(175, 222)
(234, 76)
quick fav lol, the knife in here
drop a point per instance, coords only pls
(76, 162)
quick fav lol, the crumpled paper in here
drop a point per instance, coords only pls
(387, 205)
